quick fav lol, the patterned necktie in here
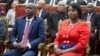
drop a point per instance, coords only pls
(26, 31)
(88, 17)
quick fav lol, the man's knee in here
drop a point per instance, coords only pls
(29, 53)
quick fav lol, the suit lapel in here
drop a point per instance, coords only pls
(23, 24)
(32, 23)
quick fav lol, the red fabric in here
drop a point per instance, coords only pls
(20, 10)
(1, 48)
(79, 35)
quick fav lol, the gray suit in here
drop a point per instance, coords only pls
(2, 28)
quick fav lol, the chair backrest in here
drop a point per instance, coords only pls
(20, 10)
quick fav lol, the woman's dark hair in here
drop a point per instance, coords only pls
(77, 7)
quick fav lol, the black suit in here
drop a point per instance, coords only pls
(44, 14)
(93, 27)
(53, 22)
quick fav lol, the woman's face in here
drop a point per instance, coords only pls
(72, 13)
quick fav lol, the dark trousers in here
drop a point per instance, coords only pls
(92, 43)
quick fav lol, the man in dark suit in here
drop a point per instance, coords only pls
(54, 18)
(89, 16)
(30, 32)
(42, 12)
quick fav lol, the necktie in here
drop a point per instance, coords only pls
(88, 18)
(26, 31)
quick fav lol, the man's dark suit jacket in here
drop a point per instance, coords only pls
(98, 21)
(44, 14)
(36, 32)
(53, 22)
(93, 22)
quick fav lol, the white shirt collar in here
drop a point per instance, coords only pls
(29, 19)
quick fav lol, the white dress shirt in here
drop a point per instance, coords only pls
(40, 12)
(11, 16)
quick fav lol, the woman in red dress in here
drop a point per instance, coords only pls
(73, 35)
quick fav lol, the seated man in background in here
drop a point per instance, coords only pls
(41, 11)
(89, 16)
(54, 18)
(30, 32)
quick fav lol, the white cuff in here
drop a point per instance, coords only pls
(14, 43)
(29, 46)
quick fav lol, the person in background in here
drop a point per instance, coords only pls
(73, 35)
(54, 18)
(29, 31)
(3, 29)
(11, 13)
(41, 11)
(90, 16)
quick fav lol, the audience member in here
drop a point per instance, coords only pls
(73, 36)
(30, 32)
(42, 12)
(89, 16)
(54, 17)
(11, 13)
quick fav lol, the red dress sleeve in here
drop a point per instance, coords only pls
(58, 36)
(83, 37)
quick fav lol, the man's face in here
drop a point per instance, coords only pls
(90, 8)
(29, 10)
(61, 7)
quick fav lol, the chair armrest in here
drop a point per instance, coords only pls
(87, 49)
(49, 46)
(41, 45)
(1, 41)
